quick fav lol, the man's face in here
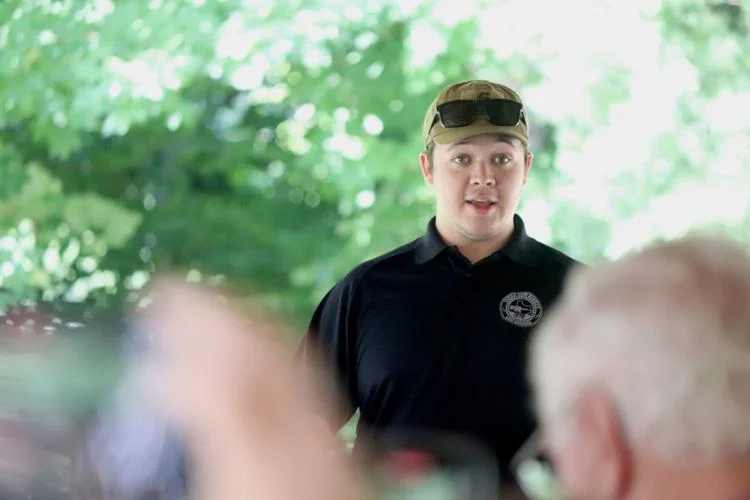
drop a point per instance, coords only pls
(478, 183)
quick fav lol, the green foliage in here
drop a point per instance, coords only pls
(277, 147)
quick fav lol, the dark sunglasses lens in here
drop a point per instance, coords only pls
(457, 113)
(503, 113)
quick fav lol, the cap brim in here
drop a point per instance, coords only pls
(453, 135)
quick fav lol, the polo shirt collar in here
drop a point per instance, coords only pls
(519, 247)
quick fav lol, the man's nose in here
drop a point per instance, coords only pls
(482, 174)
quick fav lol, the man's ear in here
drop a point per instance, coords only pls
(425, 167)
(605, 448)
(527, 167)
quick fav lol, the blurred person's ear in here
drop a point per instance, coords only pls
(594, 441)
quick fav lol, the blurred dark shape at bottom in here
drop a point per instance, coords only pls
(416, 464)
(72, 425)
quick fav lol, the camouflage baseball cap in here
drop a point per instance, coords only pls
(471, 90)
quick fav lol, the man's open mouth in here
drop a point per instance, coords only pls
(482, 203)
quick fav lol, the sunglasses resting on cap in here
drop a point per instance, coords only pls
(473, 108)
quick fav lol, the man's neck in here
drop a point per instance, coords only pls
(476, 250)
(729, 480)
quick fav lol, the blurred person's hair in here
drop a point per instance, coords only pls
(665, 333)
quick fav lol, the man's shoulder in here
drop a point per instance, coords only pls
(551, 257)
(398, 259)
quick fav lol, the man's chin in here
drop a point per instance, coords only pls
(479, 235)
(483, 228)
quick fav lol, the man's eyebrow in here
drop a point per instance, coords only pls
(500, 138)
(456, 144)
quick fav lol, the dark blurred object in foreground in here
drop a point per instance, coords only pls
(439, 466)
(70, 425)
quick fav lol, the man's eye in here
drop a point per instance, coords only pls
(502, 159)
(461, 159)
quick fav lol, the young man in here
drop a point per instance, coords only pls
(432, 336)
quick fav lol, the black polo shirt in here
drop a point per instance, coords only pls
(419, 338)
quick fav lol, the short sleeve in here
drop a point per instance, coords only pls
(329, 350)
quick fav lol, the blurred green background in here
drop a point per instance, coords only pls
(273, 145)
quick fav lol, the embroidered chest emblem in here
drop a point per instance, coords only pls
(521, 309)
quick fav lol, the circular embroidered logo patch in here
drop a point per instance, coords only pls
(521, 309)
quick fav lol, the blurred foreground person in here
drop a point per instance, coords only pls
(642, 376)
(227, 382)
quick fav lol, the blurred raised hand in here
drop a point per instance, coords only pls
(226, 380)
